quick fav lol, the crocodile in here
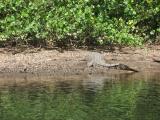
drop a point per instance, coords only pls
(156, 60)
(97, 59)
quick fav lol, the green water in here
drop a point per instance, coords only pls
(95, 98)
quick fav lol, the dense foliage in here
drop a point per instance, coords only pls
(79, 22)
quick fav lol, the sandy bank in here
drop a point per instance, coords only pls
(75, 62)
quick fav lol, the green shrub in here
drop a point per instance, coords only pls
(79, 22)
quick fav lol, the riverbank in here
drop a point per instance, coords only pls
(75, 62)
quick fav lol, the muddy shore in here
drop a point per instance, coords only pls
(74, 62)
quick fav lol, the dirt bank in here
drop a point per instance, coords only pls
(75, 62)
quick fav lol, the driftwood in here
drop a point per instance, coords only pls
(97, 59)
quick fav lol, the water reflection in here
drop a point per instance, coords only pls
(111, 97)
(148, 102)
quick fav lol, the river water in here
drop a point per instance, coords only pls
(94, 97)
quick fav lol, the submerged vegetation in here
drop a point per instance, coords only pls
(79, 22)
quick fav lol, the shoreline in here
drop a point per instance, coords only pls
(75, 62)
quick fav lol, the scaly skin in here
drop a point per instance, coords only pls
(97, 59)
